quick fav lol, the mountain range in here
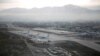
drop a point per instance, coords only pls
(64, 13)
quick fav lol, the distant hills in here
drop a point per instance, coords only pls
(95, 7)
(64, 13)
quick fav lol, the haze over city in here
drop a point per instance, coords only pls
(49, 27)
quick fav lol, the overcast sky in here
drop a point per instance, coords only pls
(5, 4)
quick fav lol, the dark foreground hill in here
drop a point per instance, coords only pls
(12, 46)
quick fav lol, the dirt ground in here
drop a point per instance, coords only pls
(77, 49)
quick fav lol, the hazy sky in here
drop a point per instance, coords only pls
(5, 4)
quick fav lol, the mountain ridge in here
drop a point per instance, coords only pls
(65, 13)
